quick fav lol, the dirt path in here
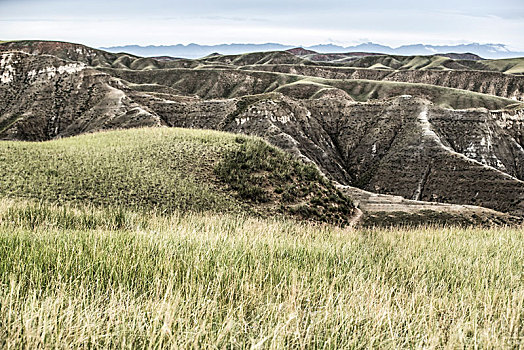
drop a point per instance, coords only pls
(356, 219)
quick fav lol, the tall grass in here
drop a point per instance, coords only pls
(199, 280)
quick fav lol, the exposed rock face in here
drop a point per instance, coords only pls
(401, 141)
(45, 98)
(92, 57)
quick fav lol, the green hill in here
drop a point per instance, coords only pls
(393, 62)
(510, 65)
(171, 170)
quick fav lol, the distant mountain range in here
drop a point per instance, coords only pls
(195, 51)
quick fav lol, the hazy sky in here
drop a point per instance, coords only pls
(295, 22)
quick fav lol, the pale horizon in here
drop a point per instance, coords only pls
(296, 23)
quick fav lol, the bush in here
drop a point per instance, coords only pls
(261, 173)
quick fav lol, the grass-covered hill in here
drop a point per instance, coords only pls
(436, 62)
(167, 170)
(509, 65)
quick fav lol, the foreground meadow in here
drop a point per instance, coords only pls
(92, 278)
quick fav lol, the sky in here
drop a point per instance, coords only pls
(101, 23)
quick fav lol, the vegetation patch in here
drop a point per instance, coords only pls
(435, 218)
(143, 169)
(509, 66)
(261, 173)
(32, 215)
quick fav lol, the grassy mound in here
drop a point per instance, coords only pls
(363, 90)
(169, 170)
(87, 280)
(509, 66)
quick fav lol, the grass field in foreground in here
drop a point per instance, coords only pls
(95, 278)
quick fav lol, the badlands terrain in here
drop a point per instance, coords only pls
(407, 139)
(288, 199)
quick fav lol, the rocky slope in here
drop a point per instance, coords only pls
(91, 57)
(446, 136)
(44, 97)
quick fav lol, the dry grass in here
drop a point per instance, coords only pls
(200, 280)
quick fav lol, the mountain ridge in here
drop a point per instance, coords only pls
(192, 50)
